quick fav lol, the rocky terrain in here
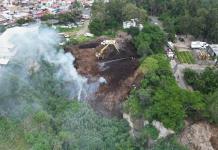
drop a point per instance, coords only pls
(200, 136)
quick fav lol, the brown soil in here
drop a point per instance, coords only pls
(200, 136)
(214, 137)
(119, 70)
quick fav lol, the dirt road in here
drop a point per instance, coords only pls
(179, 75)
(84, 29)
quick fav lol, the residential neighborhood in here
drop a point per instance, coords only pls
(12, 10)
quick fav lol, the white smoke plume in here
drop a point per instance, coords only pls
(29, 44)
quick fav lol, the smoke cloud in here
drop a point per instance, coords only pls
(28, 48)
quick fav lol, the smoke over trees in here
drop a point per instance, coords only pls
(38, 106)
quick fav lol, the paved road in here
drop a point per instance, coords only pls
(85, 28)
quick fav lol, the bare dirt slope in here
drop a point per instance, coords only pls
(119, 70)
(200, 136)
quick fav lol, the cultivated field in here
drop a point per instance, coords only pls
(185, 57)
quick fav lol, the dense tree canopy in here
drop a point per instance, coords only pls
(131, 11)
(112, 14)
(169, 143)
(64, 18)
(160, 98)
(196, 17)
(212, 101)
(36, 113)
(205, 82)
(22, 21)
(150, 40)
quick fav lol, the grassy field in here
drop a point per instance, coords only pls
(60, 29)
(185, 57)
(81, 39)
(78, 40)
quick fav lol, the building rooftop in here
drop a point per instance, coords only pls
(215, 48)
(198, 44)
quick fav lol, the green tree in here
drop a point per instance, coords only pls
(178, 8)
(36, 113)
(99, 11)
(149, 64)
(143, 42)
(114, 11)
(211, 22)
(212, 108)
(193, 7)
(24, 20)
(96, 27)
(150, 40)
(173, 116)
(190, 76)
(205, 82)
(133, 31)
(169, 143)
(131, 11)
(183, 24)
(160, 98)
(47, 17)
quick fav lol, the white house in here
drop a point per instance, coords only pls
(132, 23)
(129, 24)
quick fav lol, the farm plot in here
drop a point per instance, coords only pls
(185, 57)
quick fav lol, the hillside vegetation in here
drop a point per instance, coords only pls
(40, 116)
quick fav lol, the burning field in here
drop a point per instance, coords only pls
(117, 68)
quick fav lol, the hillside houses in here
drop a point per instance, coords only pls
(12, 10)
